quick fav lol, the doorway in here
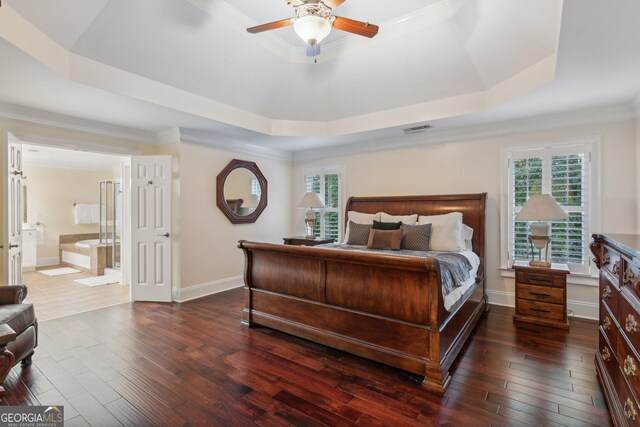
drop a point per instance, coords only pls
(72, 230)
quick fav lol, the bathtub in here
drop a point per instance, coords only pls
(84, 252)
(90, 242)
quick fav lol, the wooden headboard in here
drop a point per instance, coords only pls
(472, 207)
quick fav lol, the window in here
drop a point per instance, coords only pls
(328, 184)
(565, 172)
(256, 190)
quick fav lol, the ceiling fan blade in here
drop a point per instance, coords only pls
(356, 27)
(271, 26)
(333, 3)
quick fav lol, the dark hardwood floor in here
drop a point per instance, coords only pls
(140, 364)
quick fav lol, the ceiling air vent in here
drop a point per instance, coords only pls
(416, 129)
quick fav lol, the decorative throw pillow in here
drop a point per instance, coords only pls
(467, 236)
(405, 219)
(446, 231)
(378, 225)
(358, 233)
(359, 218)
(385, 239)
(416, 237)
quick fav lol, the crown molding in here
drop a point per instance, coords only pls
(45, 118)
(168, 136)
(609, 114)
(228, 144)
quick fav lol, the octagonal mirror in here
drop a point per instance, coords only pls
(241, 191)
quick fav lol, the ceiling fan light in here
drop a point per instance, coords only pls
(312, 29)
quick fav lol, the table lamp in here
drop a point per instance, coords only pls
(310, 201)
(540, 208)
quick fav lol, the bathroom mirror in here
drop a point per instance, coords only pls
(241, 191)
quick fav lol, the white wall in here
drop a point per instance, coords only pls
(210, 259)
(51, 193)
(473, 166)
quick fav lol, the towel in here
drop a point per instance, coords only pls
(95, 213)
(83, 214)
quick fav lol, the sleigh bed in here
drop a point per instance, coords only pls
(386, 308)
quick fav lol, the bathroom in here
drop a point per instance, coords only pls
(72, 230)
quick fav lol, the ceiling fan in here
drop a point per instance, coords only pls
(313, 22)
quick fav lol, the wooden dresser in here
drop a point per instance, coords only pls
(617, 359)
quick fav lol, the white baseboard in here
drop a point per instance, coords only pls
(204, 289)
(44, 262)
(581, 309)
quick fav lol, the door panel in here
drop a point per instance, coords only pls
(151, 229)
(13, 239)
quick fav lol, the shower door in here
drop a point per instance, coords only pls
(110, 221)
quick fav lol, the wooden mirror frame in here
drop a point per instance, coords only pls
(221, 201)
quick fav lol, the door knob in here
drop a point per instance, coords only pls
(17, 245)
(163, 235)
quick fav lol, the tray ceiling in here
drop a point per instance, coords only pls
(432, 59)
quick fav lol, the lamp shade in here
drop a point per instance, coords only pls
(312, 29)
(311, 200)
(541, 207)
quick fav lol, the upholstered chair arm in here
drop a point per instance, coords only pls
(14, 294)
(7, 334)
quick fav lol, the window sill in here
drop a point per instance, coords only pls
(572, 279)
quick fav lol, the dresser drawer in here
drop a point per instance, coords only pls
(630, 273)
(609, 294)
(541, 293)
(629, 320)
(612, 262)
(608, 325)
(541, 309)
(628, 361)
(608, 355)
(533, 278)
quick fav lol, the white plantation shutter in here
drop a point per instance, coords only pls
(563, 172)
(327, 183)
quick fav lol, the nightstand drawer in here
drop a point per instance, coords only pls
(541, 293)
(541, 309)
(533, 278)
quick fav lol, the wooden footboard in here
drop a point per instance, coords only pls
(385, 308)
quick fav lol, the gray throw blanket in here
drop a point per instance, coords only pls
(454, 267)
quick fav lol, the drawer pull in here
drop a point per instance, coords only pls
(606, 259)
(606, 354)
(629, 367)
(540, 295)
(631, 325)
(606, 292)
(540, 310)
(628, 276)
(539, 279)
(616, 267)
(606, 323)
(629, 411)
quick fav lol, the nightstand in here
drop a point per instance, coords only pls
(541, 295)
(303, 241)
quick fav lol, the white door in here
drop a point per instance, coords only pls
(151, 228)
(13, 202)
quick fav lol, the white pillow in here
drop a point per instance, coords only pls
(359, 218)
(406, 219)
(467, 236)
(446, 231)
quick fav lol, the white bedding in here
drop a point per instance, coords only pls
(456, 294)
